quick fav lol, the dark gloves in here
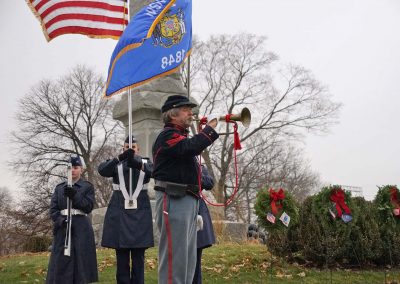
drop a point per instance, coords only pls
(126, 154)
(69, 191)
(135, 162)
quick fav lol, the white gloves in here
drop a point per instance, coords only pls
(212, 116)
(199, 223)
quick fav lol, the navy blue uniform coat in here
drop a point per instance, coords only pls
(205, 237)
(174, 154)
(123, 228)
(81, 266)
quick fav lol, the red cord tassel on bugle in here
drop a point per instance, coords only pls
(236, 138)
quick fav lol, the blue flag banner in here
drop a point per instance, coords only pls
(154, 44)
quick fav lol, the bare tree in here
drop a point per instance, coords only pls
(286, 101)
(103, 196)
(58, 118)
(5, 199)
(295, 175)
(6, 222)
(272, 164)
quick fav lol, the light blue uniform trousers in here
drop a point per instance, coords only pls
(176, 222)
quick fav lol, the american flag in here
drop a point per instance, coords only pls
(94, 18)
(271, 218)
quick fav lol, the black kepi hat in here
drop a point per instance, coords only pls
(176, 101)
(76, 161)
(133, 139)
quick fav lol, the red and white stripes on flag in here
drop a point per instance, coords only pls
(94, 18)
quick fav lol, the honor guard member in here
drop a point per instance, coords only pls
(176, 183)
(128, 223)
(205, 234)
(81, 266)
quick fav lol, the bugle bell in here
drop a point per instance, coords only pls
(244, 117)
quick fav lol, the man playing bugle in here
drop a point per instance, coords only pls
(176, 173)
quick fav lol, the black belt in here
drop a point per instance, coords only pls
(177, 189)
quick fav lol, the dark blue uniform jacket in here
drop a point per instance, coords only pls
(174, 154)
(205, 237)
(127, 228)
(81, 266)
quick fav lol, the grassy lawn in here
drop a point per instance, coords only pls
(224, 263)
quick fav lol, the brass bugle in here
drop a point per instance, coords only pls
(244, 117)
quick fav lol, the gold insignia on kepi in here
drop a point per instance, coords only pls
(170, 30)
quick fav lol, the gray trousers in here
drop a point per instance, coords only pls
(177, 251)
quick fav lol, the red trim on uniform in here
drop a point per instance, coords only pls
(169, 239)
(176, 126)
(174, 141)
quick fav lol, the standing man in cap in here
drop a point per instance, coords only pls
(81, 266)
(128, 224)
(176, 173)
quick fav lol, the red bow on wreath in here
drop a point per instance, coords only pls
(276, 199)
(337, 196)
(395, 201)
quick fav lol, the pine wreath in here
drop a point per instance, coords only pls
(387, 204)
(276, 203)
(334, 203)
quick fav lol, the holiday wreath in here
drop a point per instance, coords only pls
(276, 209)
(387, 203)
(334, 202)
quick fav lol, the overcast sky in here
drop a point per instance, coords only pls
(352, 46)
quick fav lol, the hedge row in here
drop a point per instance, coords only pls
(314, 237)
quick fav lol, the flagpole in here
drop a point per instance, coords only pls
(124, 17)
(130, 136)
(188, 80)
